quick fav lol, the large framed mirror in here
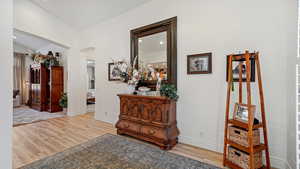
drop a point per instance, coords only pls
(154, 47)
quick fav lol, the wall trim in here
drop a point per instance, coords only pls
(198, 143)
(290, 164)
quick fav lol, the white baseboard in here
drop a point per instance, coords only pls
(198, 143)
(279, 163)
(291, 164)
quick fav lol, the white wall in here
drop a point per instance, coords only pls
(6, 48)
(32, 19)
(220, 27)
(76, 82)
(291, 86)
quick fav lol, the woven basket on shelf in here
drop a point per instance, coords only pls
(241, 158)
(240, 136)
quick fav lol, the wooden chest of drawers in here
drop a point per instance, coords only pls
(149, 118)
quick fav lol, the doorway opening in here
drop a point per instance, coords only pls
(88, 56)
(91, 99)
(38, 78)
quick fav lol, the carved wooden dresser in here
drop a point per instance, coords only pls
(149, 118)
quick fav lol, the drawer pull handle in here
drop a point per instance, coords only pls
(236, 153)
(126, 125)
(151, 132)
(237, 132)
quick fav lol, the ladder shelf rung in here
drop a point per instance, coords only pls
(256, 148)
(230, 164)
(244, 125)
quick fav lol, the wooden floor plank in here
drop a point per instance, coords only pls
(35, 141)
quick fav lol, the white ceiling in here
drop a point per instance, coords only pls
(84, 13)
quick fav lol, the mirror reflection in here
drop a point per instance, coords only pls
(152, 56)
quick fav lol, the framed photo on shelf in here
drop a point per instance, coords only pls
(236, 69)
(241, 112)
(199, 63)
(113, 72)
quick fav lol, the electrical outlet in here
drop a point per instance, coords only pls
(106, 113)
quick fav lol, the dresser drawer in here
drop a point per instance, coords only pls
(155, 132)
(126, 125)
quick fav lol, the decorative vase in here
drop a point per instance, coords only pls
(130, 89)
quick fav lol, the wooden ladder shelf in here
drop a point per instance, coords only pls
(249, 126)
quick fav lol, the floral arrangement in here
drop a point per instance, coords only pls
(49, 60)
(128, 72)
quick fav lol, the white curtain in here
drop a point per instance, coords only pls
(19, 75)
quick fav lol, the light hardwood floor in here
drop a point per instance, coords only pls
(38, 140)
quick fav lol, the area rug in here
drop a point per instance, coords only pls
(24, 115)
(116, 152)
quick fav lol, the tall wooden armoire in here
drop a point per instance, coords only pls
(46, 87)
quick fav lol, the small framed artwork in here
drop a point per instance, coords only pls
(199, 63)
(113, 72)
(241, 112)
(236, 69)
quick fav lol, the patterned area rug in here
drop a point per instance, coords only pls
(23, 115)
(116, 152)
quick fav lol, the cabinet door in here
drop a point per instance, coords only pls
(159, 112)
(146, 110)
(124, 106)
(56, 88)
(130, 108)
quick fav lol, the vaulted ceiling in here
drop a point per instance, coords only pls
(84, 13)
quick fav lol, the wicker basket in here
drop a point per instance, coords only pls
(240, 136)
(241, 158)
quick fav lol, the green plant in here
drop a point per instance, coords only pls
(51, 61)
(63, 101)
(169, 91)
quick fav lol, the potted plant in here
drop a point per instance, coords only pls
(169, 91)
(63, 102)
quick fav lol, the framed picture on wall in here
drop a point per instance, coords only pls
(113, 72)
(199, 63)
(236, 69)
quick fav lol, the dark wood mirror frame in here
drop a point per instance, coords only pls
(169, 26)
